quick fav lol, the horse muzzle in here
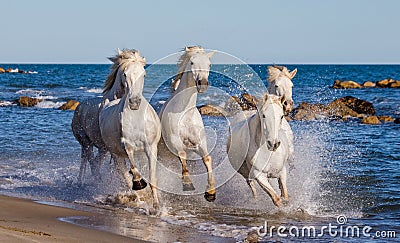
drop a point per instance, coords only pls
(134, 103)
(273, 146)
(202, 85)
(288, 105)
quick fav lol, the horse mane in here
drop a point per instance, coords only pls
(184, 59)
(121, 60)
(274, 72)
(270, 99)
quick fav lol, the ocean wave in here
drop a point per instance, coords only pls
(49, 104)
(92, 90)
(6, 103)
(95, 90)
(29, 91)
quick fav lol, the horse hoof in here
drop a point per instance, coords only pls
(209, 197)
(138, 185)
(188, 187)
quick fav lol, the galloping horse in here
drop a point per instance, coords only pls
(129, 125)
(182, 126)
(280, 83)
(267, 152)
(85, 123)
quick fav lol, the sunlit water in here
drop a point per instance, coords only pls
(341, 168)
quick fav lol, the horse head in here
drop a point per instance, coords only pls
(280, 83)
(271, 115)
(132, 75)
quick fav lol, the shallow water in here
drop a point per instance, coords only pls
(341, 168)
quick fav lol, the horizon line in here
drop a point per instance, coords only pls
(222, 63)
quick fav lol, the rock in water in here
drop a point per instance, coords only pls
(346, 85)
(373, 120)
(357, 105)
(69, 105)
(211, 110)
(386, 118)
(28, 101)
(368, 84)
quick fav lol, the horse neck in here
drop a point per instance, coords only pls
(260, 134)
(115, 92)
(187, 92)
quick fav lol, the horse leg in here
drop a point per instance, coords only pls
(186, 182)
(120, 169)
(253, 188)
(82, 169)
(151, 154)
(98, 161)
(282, 184)
(266, 186)
(137, 182)
(210, 193)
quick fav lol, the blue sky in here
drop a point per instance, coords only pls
(296, 31)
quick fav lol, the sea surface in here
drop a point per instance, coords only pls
(345, 173)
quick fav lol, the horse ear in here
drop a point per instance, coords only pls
(293, 73)
(119, 52)
(210, 54)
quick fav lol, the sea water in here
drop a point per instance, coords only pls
(342, 171)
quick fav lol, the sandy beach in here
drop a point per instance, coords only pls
(23, 220)
(26, 221)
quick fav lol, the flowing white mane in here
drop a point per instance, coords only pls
(274, 72)
(122, 59)
(184, 59)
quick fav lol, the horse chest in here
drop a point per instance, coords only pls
(267, 162)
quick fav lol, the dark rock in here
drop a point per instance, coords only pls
(307, 111)
(357, 105)
(212, 110)
(69, 105)
(386, 118)
(346, 85)
(342, 108)
(373, 120)
(395, 84)
(368, 84)
(28, 101)
(385, 83)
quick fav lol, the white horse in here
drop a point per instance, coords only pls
(267, 151)
(280, 83)
(182, 126)
(129, 125)
(85, 123)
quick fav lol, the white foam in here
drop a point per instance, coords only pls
(95, 90)
(6, 103)
(29, 91)
(49, 104)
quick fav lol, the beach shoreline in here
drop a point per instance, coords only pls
(24, 220)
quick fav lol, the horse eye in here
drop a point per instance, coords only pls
(263, 115)
(276, 86)
(282, 117)
(125, 75)
(191, 63)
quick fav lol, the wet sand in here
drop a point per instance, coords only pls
(23, 220)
